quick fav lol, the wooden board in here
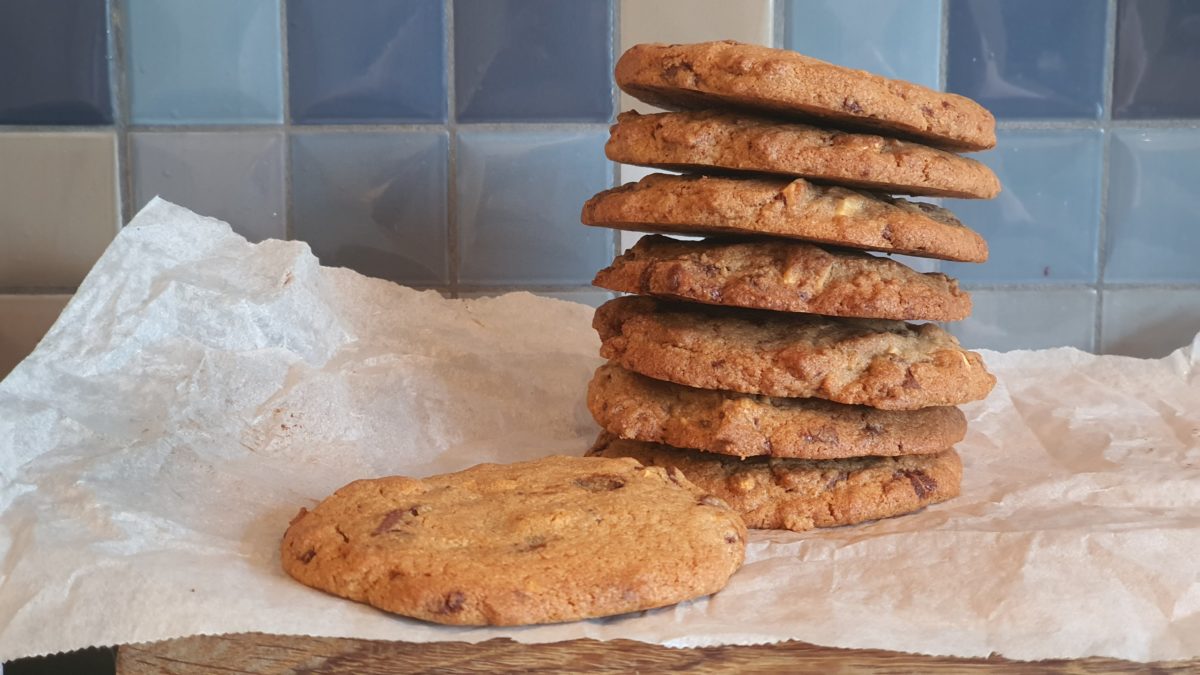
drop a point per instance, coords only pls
(259, 653)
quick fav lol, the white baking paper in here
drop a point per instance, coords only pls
(198, 390)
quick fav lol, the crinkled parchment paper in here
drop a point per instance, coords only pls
(199, 389)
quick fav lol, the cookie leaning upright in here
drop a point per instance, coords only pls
(767, 362)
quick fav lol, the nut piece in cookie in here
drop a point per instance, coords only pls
(555, 539)
(785, 276)
(799, 494)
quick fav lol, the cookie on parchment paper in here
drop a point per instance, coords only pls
(707, 141)
(637, 407)
(786, 83)
(785, 207)
(785, 276)
(554, 539)
(800, 494)
(884, 364)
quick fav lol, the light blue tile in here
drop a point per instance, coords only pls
(544, 60)
(1045, 224)
(210, 62)
(354, 61)
(374, 202)
(583, 297)
(1153, 219)
(234, 176)
(1029, 319)
(893, 39)
(1029, 58)
(1149, 322)
(519, 197)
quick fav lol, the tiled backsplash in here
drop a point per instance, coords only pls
(450, 143)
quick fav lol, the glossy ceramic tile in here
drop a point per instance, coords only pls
(1149, 322)
(366, 61)
(1044, 226)
(234, 176)
(533, 60)
(1029, 319)
(677, 21)
(58, 206)
(374, 202)
(1153, 221)
(1157, 57)
(1029, 58)
(519, 196)
(894, 39)
(211, 62)
(26, 320)
(42, 81)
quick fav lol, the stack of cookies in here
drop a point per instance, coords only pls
(773, 361)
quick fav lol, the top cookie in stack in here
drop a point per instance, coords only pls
(769, 362)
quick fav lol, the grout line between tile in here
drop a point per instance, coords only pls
(451, 127)
(1109, 73)
(285, 91)
(119, 94)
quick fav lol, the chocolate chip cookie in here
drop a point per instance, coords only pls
(786, 276)
(555, 539)
(707, 141)
(637, 407)
(890, 365)
(800, 494)
(785, 207)
(731, 74)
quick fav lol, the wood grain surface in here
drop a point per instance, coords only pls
(259, 653)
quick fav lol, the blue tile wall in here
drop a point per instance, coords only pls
(53, 62)
(1045, 224)
(1029, 58)
(450, 143)
(898, 40)
(526, 60)
(519, 196)
(210, 62)
(363, 61)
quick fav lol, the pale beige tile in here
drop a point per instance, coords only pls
(58, 205)
(674, 21)
(24, 319)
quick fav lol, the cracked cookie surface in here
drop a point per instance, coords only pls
(786, 83)
(884, 364)
(637, 407)
(784, 276)
(707, 140)
(785, 207)
(798, 494)
(554, 539)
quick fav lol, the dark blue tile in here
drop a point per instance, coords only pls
(366, 61)
(1153, 224)
(1158, 56)
(1045, 224)
(533, 60)
(1029, 58)
(374, 202)
(519, 195)
(54, 62)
